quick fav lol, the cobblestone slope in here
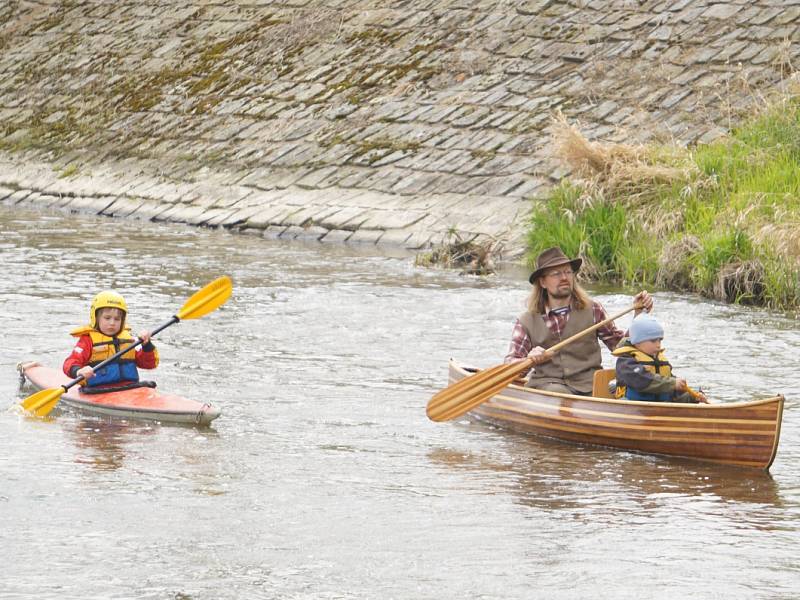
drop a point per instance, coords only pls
(393, 122)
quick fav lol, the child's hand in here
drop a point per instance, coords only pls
(144, 336)
(700, 397)
(87, 372)
(681, 385)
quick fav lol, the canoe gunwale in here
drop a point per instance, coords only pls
(742, 433)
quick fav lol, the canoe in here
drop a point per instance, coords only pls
(743, 434)
(138, 403)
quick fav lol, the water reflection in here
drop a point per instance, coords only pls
(101, 443)
(555, 476)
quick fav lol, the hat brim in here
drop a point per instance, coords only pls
(575, 263)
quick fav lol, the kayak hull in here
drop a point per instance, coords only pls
(139, 403)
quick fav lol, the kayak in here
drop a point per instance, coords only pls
(138, 403)
(743, 434)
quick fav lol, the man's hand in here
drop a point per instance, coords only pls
(538, 355)
(644, 300)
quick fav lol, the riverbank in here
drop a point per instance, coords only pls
(720, 219)
(289, 212)
(407, 124)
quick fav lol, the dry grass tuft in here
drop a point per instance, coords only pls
(590, 270)
(660, 221)
(674, 264)
(470, 256)
(619, 169)
(741, 282)
(782, 238)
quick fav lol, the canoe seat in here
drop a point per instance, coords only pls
(600, 383)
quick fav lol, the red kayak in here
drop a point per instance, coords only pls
(138, 403)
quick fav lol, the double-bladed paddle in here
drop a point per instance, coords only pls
(466, 394)
(202, 302)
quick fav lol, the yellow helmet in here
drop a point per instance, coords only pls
(107, 299)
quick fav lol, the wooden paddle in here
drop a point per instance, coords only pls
(466, 394)
(202, 302)
(696, 395)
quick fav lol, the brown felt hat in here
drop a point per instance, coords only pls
(553, 257)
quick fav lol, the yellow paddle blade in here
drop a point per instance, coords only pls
(466, 394)
(211, 297)
(695, 394)
(43, 402)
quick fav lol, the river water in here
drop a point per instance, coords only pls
(323, 477)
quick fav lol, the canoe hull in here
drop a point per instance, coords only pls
(743, 434)
(139, 403)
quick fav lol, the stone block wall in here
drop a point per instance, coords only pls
(394, 122)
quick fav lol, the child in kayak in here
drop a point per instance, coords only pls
(105, 335)
(643, 372)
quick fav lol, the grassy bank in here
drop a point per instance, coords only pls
(721, 219)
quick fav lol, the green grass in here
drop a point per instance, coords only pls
(724, 231)
(613, 247)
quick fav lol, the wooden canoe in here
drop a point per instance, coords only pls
(743, 434)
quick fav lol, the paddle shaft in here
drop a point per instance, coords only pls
(464, 395)
(694, 393)
(121, 351)
(555, 348)
(529, 361)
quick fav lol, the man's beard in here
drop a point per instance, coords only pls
(561, 293)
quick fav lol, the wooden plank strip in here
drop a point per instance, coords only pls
(617, 432)
(769, 414)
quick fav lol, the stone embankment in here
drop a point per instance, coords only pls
(392, 122)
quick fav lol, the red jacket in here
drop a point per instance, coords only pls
(146, 356)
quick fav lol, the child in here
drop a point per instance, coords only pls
(643, 372)
(105, 335)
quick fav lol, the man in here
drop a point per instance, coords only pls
(558, 308)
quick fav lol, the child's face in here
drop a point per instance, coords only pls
(651, 347)
(109, 320)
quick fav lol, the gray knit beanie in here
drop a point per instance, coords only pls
(645, 327)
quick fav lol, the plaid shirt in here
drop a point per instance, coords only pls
(521, 342)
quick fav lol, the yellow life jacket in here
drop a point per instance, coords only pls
(104, 347)
(658, 366)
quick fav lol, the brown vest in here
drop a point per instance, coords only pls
(574, 365)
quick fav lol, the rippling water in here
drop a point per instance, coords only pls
(323, 478)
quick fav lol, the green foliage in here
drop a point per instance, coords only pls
(720, 249)
(781, 285)
(552, 223)
(725, 232)
(614, 248)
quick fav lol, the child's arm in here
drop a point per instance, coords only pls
(77, 362)
(634, 375)
(146, 355)
(684, 394)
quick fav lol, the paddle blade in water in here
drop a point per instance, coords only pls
(464, 395)
(43, 402)
(211, 297)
